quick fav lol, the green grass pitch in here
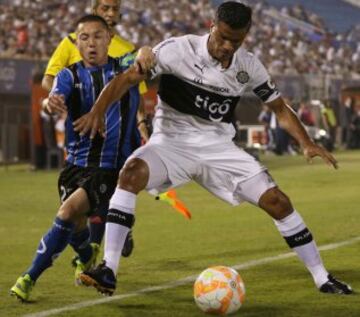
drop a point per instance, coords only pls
(169, 248)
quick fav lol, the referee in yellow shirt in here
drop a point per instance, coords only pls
(67, 54)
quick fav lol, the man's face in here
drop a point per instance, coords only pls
(109, 10)
(93, 40)
(225, 41)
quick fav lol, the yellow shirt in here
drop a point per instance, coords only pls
(67, 54)
(330, 116)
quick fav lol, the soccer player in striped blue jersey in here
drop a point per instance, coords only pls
(67, 54)
(89, 177)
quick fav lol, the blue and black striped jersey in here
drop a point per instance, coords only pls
(81, 86)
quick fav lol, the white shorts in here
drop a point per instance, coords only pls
(222, 168)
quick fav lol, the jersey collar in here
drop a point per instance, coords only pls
(208, 59)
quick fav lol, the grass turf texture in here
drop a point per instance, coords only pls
(168, 247)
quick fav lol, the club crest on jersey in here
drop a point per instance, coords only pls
(242, 77)
(103, 188)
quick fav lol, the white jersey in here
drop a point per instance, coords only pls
(197, 95)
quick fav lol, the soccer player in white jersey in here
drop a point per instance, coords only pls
(201, 81)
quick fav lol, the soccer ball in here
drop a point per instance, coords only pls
(219, 290)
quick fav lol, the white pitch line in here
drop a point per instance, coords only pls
(183, 281)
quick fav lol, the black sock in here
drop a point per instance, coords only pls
(97, 228)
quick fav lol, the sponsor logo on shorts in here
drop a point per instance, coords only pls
(103, 188)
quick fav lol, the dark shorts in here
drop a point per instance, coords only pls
(98, 183)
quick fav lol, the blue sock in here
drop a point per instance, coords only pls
(80, 241)
(50, 247)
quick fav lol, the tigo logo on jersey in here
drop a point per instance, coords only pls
(215, 110)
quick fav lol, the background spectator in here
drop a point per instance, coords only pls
(32, 29)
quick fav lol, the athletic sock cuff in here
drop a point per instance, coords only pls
(291, 224)
(123, 200)
(298, 239)
(121, 218)
(63, 225)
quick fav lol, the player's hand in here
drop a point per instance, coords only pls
(312, 150)
(55, 104)
(145, 60)
(92, 122)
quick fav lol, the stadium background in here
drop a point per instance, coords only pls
(308, 47)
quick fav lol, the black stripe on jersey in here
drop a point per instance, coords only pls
(98, 82)
(97, 142)
(74, 104)
(194, 100)
(301, 238)
(117, 67)
(75, 97)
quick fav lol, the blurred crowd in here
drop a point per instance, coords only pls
(149, 22)
(32, 29)
(298, 12)
(287, 49)
(324, 125)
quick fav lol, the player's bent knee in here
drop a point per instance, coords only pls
(134, 175)
(70, 213)
(276, 203)
(66, 214)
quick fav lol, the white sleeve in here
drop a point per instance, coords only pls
(261, 83)
(168, 55)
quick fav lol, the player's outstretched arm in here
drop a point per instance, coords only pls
(93, 121)
(54, 104)
(47, 82)
(141, 121)
(290, 122)
(144, 61)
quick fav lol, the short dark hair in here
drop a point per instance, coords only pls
(95, 4)
(93, 18)
(235, 14)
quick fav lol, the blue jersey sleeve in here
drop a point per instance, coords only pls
(63, 84)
